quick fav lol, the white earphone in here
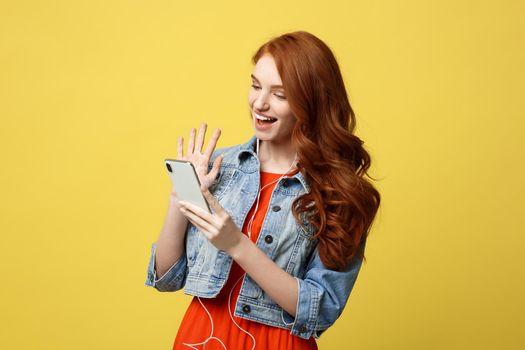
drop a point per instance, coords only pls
(244, 274)
(259, 194)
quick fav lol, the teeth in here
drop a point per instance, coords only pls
(263, 118)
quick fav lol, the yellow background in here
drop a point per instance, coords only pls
(93, 95)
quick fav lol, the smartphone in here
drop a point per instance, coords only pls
(186, 182)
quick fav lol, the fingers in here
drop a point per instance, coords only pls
(195, 145)
(179, 148)
(201, 217)
(191, 142)
(198, 221)
(213, 202)
(204, 214)
(213, 142)
(200, 137)
(216, 166)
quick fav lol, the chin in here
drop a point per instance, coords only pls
(262, 136)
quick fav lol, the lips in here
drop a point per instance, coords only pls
(264, 117)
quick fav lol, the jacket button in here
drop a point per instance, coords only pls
(276, 208)
(268, 239)
(246, 309)
(302, 329)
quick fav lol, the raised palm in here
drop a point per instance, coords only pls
(197, 158)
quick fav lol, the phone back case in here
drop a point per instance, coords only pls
(186, 182)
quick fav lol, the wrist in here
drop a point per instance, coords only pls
(236, 251)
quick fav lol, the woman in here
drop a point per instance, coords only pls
(274, 264)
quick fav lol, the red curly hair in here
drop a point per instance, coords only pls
(329, 154)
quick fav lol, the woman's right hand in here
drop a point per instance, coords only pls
(198, 159)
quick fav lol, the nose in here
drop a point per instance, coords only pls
(260, 102)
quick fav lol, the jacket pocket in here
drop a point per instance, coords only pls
(303, 247)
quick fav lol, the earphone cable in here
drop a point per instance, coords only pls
(244, 274)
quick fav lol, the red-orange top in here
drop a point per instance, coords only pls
(196, 326)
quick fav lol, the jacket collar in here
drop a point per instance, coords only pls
(249, 162)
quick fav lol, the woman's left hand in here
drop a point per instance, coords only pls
(219, 228)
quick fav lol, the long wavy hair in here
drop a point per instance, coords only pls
(341, 203)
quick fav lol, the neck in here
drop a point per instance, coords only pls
(276, 157)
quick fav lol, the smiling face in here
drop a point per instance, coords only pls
(267, 98)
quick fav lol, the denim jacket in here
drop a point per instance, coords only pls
(202, 270)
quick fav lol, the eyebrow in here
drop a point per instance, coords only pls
(273, 86)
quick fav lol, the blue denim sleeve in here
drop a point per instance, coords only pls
(323, 294)
(173, 280)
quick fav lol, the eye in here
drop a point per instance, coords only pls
(281, 97)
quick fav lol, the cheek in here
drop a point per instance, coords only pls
(286, 114)
(290, 120)
(291, 123)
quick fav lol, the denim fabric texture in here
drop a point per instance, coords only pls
(202, 270)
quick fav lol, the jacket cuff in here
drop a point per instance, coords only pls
(172, 280)
(308, 303)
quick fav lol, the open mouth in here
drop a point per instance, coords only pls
(264, 120)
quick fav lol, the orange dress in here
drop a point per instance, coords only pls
(196, 325)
